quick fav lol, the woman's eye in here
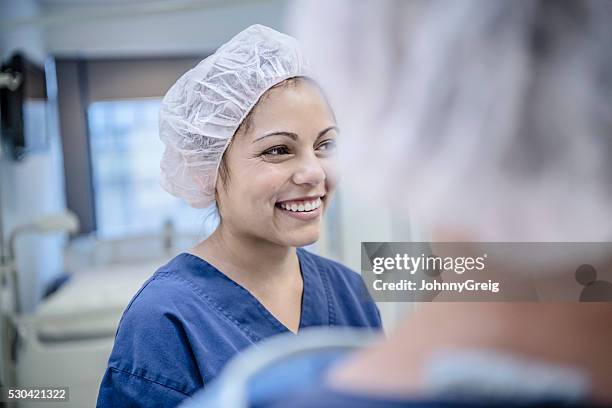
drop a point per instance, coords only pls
(328, 145)
(276, 151)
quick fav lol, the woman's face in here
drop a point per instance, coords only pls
(280, 168)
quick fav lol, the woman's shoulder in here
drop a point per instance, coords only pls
(153, 329)
(169, 278)
(166, 293)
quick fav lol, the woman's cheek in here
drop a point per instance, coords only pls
(269, 182)
(331, 174)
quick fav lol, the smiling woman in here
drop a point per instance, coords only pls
(281, 163)
(249, 132)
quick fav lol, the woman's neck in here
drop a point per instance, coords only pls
(248, 260)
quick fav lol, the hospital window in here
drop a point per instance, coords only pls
(125, 155)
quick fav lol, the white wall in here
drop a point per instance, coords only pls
(28, 38)
(143, 32)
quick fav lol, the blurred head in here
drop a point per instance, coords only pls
(490, 120)
(276, 177)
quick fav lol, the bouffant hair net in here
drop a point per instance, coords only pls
(489, 118)
(203, 109)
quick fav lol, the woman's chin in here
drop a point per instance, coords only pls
(301, 238)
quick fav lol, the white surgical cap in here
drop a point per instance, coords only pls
(491, 118)
(204, 108)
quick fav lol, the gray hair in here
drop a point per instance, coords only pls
(493, 116)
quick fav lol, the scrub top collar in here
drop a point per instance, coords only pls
(238, 305)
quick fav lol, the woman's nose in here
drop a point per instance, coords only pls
(310, 171)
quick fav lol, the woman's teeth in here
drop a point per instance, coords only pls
(301, 206)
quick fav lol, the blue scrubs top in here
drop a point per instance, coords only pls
(189, 319)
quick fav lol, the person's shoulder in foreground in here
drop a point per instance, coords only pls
(152, 362)
(352, 304)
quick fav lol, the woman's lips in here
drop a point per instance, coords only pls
(304, 215)
(305, 209)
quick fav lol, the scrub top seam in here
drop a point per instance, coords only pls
(132, 374)
(212, 304)
(137, 295)
(269, 316)
(330, 308)
(306, 296)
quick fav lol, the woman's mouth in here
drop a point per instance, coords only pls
(303, 209)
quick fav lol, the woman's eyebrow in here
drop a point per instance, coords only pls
(288, 134)
(293, 135)
(324, 131)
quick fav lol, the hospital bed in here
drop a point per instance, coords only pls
(67, 341)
